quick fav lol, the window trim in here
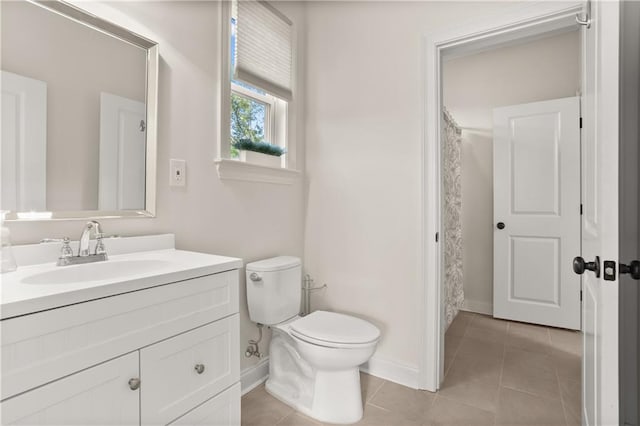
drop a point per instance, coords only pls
(238, 170)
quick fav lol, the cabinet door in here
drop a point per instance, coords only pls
(222, 410)
(182, 372)
(100, 395)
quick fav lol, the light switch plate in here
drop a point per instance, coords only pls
(177, 172)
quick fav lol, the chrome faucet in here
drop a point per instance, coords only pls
(83, 245)
(66, 253)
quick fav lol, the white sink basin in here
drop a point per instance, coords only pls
(97, 271)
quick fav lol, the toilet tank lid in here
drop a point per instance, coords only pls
(274, 264)
(333, 327)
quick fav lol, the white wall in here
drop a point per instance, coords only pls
(544, 69)
(363, 142)
(77, 64)
(242, 219)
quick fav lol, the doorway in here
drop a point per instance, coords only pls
(525, 24)
(600, 23)
(519, 168)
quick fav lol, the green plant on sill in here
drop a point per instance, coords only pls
(261, 147)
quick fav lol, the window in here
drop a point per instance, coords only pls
(256, 101)
(255, 114)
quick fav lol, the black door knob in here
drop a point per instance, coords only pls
(579, 266)
(500, 225)
(633, 269)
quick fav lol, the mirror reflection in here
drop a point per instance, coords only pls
(73, 114)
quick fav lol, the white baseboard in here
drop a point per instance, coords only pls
(478, 307)
(254, 376)
(393, 371)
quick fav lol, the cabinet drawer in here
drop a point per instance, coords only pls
(222, 410)
(97, 396)
(171, 382)
(45, 346)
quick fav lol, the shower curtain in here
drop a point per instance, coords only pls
(452, 223)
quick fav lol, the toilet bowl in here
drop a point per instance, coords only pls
(314, 364)
(313, 360)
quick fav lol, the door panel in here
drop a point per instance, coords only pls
(532, 283)
(537, 196)
(534, 147)
(600, 135)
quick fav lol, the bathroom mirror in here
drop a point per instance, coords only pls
(79, 102)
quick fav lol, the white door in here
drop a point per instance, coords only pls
(600, 218)
(122, 153)
(100, 395)
(537, 212)
(24, 143)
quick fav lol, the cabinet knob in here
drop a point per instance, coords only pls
(134, 383)
(199, 368)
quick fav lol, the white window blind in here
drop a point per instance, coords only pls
(264, 51)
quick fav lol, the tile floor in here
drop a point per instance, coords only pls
(497, 373)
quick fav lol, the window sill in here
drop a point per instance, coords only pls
(239, 170)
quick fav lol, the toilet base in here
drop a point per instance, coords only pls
(332, 396)
(336, 396)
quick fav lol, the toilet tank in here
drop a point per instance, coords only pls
(273, 289)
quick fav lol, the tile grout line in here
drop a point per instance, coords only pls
(465, 404)
(455, 353)
(536, 395)
(564, 406)
(555, 369)
(504, 356)
(379, 407)
(375, 393)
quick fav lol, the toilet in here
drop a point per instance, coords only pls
(313, 361)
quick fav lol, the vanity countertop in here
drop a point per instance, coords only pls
(38, 287)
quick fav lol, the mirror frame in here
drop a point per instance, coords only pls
(83, 17)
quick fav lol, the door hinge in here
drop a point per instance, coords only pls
(580, 209)
(437, 236)
(581, 295)
(581, 122)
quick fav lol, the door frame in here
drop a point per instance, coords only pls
(516, 24)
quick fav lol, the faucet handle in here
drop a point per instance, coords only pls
(100, 248)
(66, 251)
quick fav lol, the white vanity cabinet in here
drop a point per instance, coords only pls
(162, 355)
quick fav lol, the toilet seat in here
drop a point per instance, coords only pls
(334, 330)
